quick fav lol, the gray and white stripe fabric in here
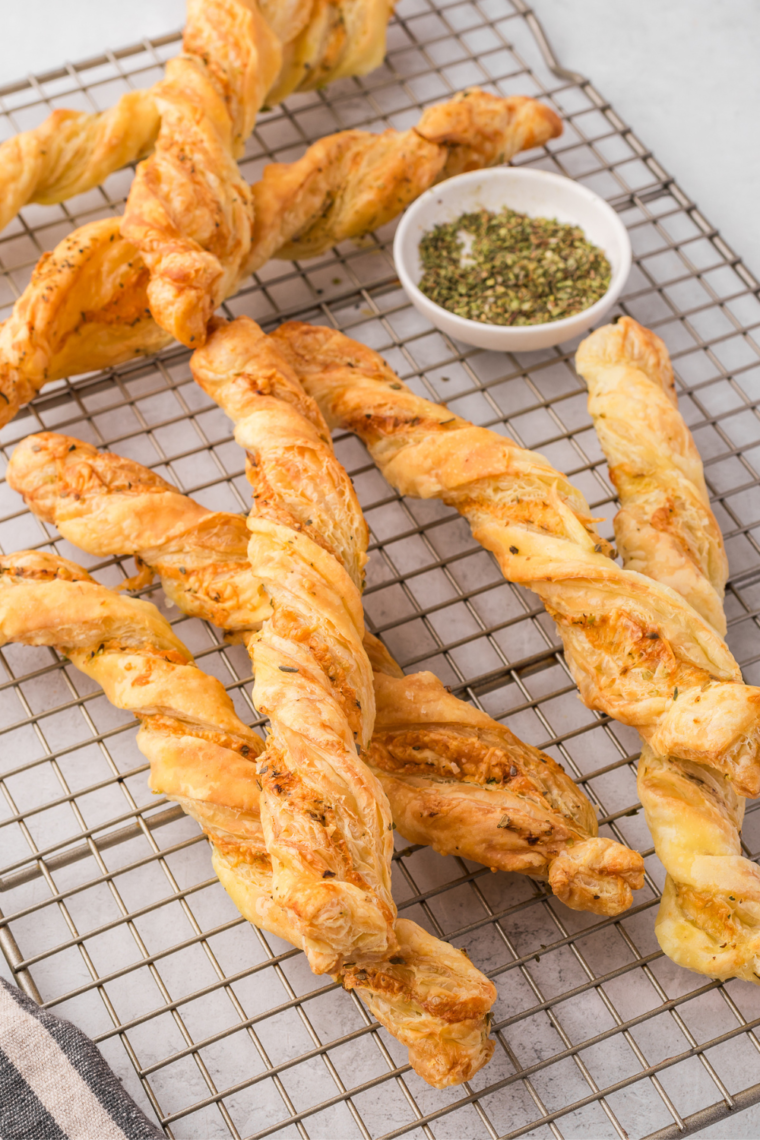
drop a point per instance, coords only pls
(55, 1085)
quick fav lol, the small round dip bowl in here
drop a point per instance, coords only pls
(537, 193)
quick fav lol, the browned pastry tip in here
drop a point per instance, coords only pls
(448, 1042)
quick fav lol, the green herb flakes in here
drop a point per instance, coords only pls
(516, 271)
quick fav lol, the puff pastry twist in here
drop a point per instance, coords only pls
(87, 304)
(637, 650)
(665, 527)
(709, 918)
(189, 210)
(73, 151)
(326, 818)
(455, 779)
(238, 368)
(428, 995)
(306, 44)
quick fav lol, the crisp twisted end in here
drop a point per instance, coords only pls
(628, 343)
(435, 1002)
(709, 935)
(597, 875)
(479, 129)
(709, 918)
(85, 308)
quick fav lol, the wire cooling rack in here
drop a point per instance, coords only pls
(113, 917)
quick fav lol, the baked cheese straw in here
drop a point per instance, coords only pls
(189, 210)
(74, 151)
(326, 819)
(665, 527)
(201, 755)
(87, 305)
(709, 917)
(353, 182)
(455, 779)
(306, 45)
(637, 650)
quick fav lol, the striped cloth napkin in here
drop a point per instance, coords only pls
(55, 1085)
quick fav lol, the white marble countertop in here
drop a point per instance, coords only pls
(682, 73)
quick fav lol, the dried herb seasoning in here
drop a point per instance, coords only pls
(509, 269)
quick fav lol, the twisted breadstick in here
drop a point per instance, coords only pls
(238, 368)
(307, 548)
(72, 151)
(665, 528)
(637, 650)
(87, 304)
(313, 678)
(709, 918)
(305, 45)
(189, 210)
(455, 779)
(201, 755)
(352, 182)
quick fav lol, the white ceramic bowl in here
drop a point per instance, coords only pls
(534, 192)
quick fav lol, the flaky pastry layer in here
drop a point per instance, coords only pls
(709, 917)
(201, 755)
(455, 779)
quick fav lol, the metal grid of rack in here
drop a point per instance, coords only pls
(112, 916)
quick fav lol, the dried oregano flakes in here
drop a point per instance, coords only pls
(506, 268)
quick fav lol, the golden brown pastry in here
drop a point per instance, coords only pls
(244, 372)
(350, 183)
(87, 304)
(709, 917)
(665, 527)
(305, 44)
(455, 779)
(201, 755)
(637, 650)
(73, 151)
(326, 818)
(464, 784)
(189, 210)
(325, 40)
